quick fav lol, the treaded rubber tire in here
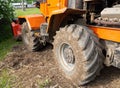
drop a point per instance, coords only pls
(31, 42)
(87, 51)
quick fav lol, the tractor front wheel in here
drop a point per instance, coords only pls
(31, 42)
(78, 53)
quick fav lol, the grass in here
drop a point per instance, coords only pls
(5, 79)
(5, 36)
(6, 40)
(6, 46)
(29, 11)
(44, 84)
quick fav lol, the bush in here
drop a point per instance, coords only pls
(6, 10)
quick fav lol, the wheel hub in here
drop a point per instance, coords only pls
(67, 56)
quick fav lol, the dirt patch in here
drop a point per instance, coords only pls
(38, 70)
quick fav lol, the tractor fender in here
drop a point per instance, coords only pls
(34, 21)
(57, 18)
(16, 30)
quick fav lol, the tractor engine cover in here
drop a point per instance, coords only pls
(113, 12)
(109, 17)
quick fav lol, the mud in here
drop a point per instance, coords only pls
(38, 70)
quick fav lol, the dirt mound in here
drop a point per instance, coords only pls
(38, 70)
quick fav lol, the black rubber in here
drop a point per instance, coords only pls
(31, 42)
(87, 51)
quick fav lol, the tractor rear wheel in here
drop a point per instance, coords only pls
(31, 42)
(78, 53)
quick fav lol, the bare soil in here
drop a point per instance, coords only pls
(38, 70)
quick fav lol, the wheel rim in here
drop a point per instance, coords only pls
(67, 58)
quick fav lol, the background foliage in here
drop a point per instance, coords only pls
(6, 11)
(6, 15)
(19, 1)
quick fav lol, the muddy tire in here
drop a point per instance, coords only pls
(78, 53)
(31, 42)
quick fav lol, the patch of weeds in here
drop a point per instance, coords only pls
(5, 79)
(45, 83)
(6, 46)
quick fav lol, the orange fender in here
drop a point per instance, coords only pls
(57, 18)
(16, 28)
(34, 21)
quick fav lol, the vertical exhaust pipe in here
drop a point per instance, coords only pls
(75, 4)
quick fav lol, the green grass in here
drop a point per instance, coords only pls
(44, 84)
(6, 40)
(6, 46)
(29, 11)
(5, 79)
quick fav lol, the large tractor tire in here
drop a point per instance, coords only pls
(31, 42)
(78, 53)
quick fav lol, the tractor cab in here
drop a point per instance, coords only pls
(48, 6)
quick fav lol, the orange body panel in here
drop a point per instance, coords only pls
(43, 9)
(107, 33)
(34, 21)
(49, 6)
(16, 29)
(57, 17)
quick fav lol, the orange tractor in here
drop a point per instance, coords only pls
(85, 35)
